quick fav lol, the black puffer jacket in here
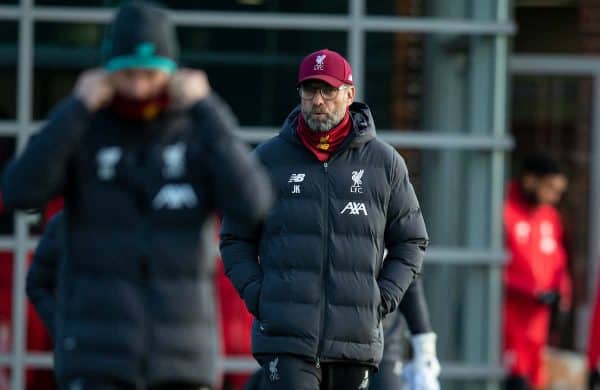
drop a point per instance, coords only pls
(135, 297)
(43, 272)
(320, 288)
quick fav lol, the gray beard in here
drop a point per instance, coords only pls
(323, 126)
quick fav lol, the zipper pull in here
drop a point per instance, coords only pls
(325, 165)
(318, 363)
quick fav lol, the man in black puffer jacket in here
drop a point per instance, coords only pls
(313, 273)
(144, 155)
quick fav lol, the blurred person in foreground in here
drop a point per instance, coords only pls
(42, 280)
(313, 273)
(536, 274)
(594, 343)
(143, 154)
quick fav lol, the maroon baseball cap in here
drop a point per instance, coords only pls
(326, 65)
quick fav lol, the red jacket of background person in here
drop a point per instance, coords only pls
(537, 263)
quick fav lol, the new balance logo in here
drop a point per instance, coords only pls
(175, 196)
(354, 208)
(297, 178)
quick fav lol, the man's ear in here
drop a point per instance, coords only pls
(351, 92)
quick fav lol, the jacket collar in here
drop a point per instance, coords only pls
(363, 126)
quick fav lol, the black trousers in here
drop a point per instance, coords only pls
(288, 372)
(515, 382)
(388, 377)
(111, 384)
(594, 380)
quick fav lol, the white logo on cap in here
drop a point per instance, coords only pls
(319, 62)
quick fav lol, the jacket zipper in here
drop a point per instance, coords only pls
(325, 266)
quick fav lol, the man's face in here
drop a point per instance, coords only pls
(546, 189)
(327, 107)
(140, 84)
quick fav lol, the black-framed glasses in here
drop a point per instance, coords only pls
(327, 92)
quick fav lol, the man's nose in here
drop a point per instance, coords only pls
(318, 98)
(138, 88)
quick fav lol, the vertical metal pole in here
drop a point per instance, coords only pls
(497, 193)
(25, 73)
(443, 108)
(594, 249)
(24, 90)
(356, 47)
(19, 321)
(479, 119)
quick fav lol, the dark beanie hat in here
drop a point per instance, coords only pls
(140, 36)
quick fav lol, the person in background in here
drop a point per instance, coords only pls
(536, 273)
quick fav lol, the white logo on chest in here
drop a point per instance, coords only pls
(548, 243)
(273, 371)
(297, 177)
(174, 160)
(107, 159)
(354, 208)
(356, 187)
(175, 196)
(522, 230)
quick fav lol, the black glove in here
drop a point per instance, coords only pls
(548, 297)
(594, 380)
